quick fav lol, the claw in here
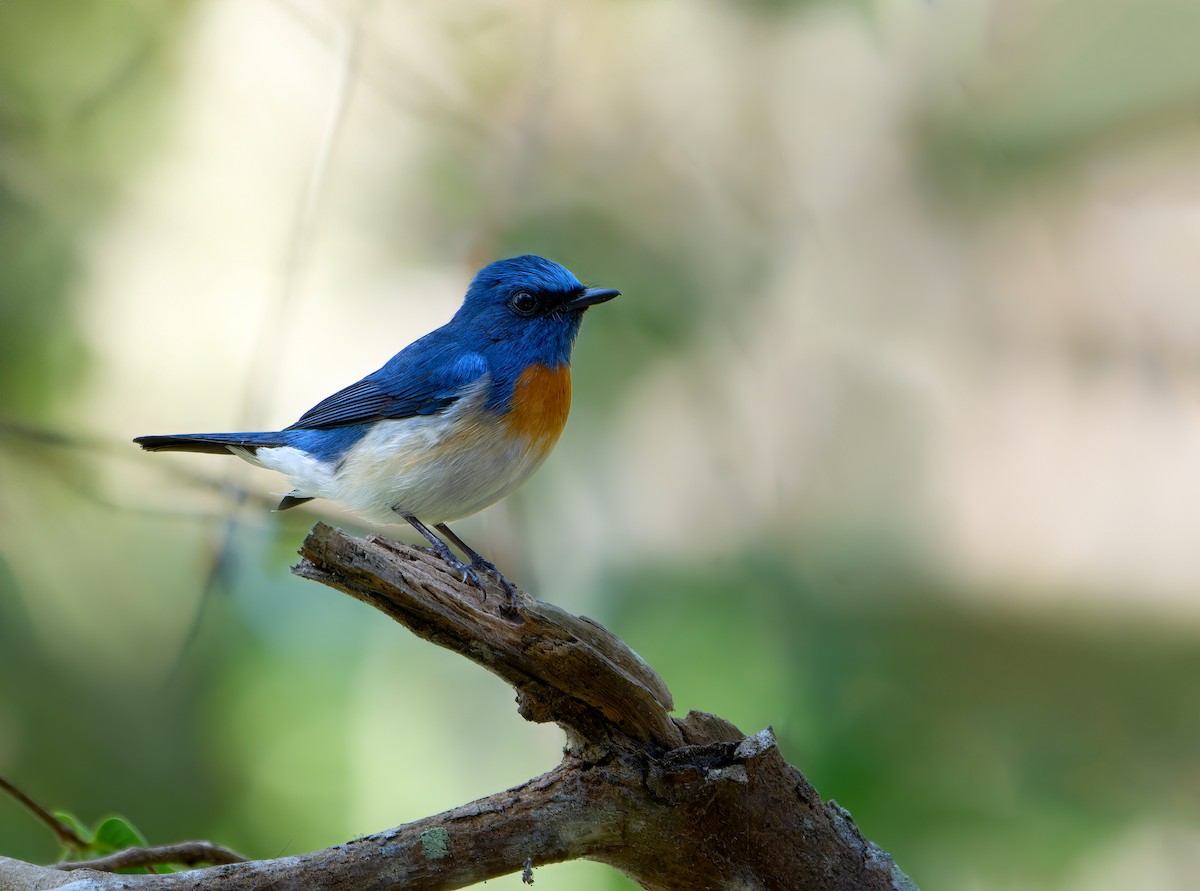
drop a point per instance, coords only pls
(469, 576)
(469, 572)
(489, 568)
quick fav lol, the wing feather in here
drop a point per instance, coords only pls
(414, 382)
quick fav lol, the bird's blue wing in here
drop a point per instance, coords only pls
(420, 380)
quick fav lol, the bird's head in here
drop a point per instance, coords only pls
(530, 305)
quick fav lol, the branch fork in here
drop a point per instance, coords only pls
(674, 803)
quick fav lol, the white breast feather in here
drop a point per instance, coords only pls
(437, 468)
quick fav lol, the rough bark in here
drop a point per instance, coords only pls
(674, 803)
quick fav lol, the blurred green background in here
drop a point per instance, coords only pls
(893, 441)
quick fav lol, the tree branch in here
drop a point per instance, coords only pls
(565, 668)
(672, 802)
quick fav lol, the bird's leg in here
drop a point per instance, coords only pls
(478, 561)
(440, 548)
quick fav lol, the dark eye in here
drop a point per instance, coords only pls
(524, 303)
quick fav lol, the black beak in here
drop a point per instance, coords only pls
(591, 297)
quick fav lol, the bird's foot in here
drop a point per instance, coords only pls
(487, 567)
(443, 553)
(442, 550)
(481, 564)
(466, 571)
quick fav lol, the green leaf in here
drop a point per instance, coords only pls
(116, 834)
(79, 829)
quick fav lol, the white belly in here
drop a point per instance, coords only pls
(436, 468)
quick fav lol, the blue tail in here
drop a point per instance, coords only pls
(211, 443)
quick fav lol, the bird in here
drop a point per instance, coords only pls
(448, 426)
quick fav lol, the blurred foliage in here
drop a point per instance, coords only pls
(954, 737)
(265, 648)
(1073, 78)
(92, 745)
(770, 9)
(168, 668)
(83, 85)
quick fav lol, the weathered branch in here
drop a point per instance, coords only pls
(565, 668)
(672, 802)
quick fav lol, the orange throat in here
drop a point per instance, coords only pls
(541, 402)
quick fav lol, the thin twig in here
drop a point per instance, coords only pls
(190, 853)
(66, 835)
